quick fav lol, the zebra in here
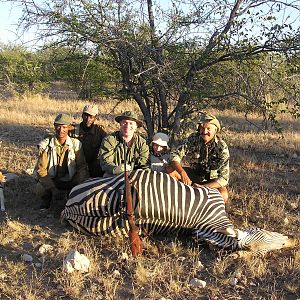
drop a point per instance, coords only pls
(163, 205)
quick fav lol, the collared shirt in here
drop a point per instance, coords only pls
(61, 162)
(112, 153)
(211, 161)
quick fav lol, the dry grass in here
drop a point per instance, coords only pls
(264, 192)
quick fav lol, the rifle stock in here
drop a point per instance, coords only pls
(135, 241)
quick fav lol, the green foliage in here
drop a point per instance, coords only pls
(173, 60)
(21, 70)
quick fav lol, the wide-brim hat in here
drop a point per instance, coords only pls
(206, 118)
(63, 119)
(161, 139)
(129, 115)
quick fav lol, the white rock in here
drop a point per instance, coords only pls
(199, 265)
(76, 261)
(45, 248)
(294, 155)
(26, 258)
(181, 258)
(294, 205)
(195, 282)
(116, 273)
(124, 256)
(233, 281)
(38, 265)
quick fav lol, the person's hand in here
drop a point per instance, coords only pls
(197, 185)
(120, 169)
(185, 178)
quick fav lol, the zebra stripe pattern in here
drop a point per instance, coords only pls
(162, 205)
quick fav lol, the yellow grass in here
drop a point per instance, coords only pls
(264, 192)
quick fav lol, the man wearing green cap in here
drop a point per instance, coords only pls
(91, 136)
(203, 158)
(60, 166)
(112, 149)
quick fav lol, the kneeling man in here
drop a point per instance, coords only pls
(60, 166)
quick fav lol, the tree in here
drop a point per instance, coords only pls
(165, 51)
(20, 70)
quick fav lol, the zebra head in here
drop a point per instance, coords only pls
(261, 241)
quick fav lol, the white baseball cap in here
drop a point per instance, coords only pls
(161, 139)
(91, 110)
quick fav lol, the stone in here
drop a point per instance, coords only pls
(27, 258)
(76, 261)
(44, 249)
(197, 283)
(116, 273)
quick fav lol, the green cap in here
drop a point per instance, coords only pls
(205, 118)
(63, 119)
(129, 115)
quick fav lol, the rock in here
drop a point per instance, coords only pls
(38, 265)
(116, 273)
(26, 258)
(286, 221)
(124, 256)
(44, 249)
(76, 261)
(199, 265)
(195, 282)
(233, 281)
(294, 205)
(181, 258)
(294, 155)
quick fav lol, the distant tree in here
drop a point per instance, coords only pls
(166, 51)
(86, 75)
(20, 70)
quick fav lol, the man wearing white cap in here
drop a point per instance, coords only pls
(203, 158)
(91, 136)
(159, 152)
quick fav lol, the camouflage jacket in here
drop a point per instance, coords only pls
(210, 161)
(112, 153)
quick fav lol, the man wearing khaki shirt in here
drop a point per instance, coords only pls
(60, 166)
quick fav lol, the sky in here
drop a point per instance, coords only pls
(9, 15)
(11, 12)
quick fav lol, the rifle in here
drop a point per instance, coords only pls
(135, 241)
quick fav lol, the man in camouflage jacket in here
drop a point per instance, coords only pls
(203, 158)
(112, 149)
(91, 136)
